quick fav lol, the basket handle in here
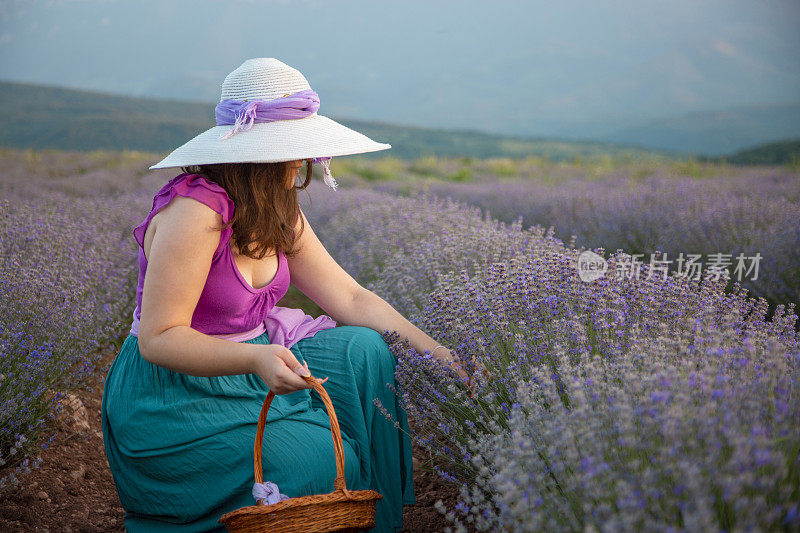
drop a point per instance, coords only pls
(339, 482)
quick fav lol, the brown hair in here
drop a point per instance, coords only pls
(265, 210)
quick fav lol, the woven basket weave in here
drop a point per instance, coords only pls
(340, 510)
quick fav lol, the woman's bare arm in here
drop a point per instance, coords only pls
(179, 254)
(179, 259)
(322, 279)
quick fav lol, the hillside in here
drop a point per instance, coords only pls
(41, 116)
(777, 153)
(715, 133)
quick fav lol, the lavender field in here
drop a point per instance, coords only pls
(622, 404)
(640, 207)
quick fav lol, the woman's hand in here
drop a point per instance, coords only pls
(446, 357)
(281, 370)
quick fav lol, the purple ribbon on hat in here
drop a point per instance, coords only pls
(326, 171)
(242, 114)
(268, 493)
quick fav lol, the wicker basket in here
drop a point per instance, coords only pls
(340, 510)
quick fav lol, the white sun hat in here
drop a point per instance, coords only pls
(253, 94)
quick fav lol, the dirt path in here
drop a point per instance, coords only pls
(73, 490)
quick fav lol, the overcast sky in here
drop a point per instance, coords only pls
(510, 67)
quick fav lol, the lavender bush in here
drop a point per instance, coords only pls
(613, 405)
(725, 210)
(398, 247)
(620, 404)
(608, 405)
(67, 285)
(645, 444)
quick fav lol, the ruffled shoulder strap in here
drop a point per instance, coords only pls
(193, 186)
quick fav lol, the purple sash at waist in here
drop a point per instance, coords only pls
(283, 325)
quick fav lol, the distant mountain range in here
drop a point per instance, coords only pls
(41, 116)
(715, 132)
(778, 153)
(53, 117)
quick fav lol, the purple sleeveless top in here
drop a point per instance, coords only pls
(229, 307)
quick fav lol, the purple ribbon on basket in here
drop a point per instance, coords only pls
(268, 493)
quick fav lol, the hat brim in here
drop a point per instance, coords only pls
(270, 142)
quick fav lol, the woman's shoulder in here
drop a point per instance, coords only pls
(196, 187)
(199, 188)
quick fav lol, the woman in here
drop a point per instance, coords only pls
(207, 343)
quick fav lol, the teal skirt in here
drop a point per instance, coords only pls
(180, 447)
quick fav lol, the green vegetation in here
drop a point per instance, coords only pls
(432, 169)
(777, 153)
(297, 300)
